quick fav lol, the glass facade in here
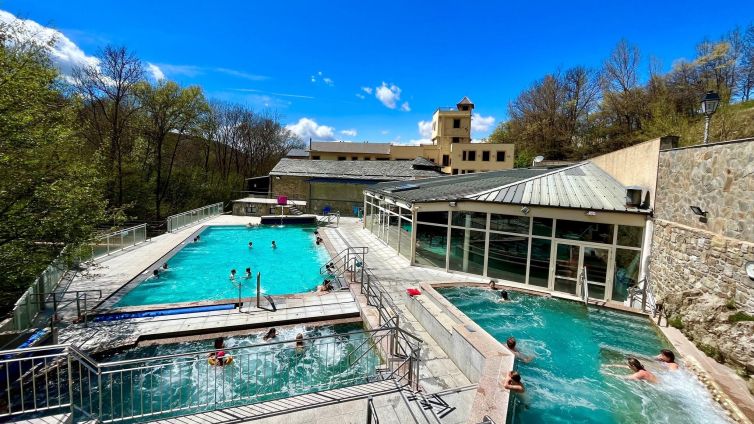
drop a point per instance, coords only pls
(543, 252)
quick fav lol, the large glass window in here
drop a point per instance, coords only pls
(431, 245)
(626, 272)
(469, 219)
(584, 231)
(542, 227)
(433, 217)
(393, 232)
(467, 251)
(405, 230)
(507, 257)
(509, 223)
(629, 236)
(539, 265)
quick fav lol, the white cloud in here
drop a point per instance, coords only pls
(405, 107)
(367, 90)
(350, 133)
(425, 129)
(481, 123)
(185, 70)
(384, 132)
(319, 76)
(308, 128)
(240, 74)
(65, 54)
(155, 71)
(361, 96)
(328, 81)
(417, 142)
(388, 94)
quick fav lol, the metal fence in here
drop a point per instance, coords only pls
(178, 221)
(114, 242)
(61, 378)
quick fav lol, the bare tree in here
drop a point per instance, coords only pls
(108, 115)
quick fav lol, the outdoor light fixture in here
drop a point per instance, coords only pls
(710, 101)
(750, 269)
(537, 160)
(452, 204)
(698, 211)
(525, 210)
(591, 213)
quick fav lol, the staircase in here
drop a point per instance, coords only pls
(295, 211)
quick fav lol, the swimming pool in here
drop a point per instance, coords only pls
(177, 378)
(199, 271)
(567, 381)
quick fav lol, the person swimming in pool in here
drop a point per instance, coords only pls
(232, 275)
(493, 285)
(251, 245)
(274, 246)
(640, 373)
(667, 357)
(156, 273)
(271, 334)
(326, 287)
(300, 343)
(513, 382)
(503, 296)
(165, 266)
(219, 354)
(247, 275)
(511, 343)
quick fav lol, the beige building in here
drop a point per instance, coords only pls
(451, 146)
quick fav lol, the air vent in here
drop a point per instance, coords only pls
(633, 196)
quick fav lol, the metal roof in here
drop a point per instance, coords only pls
(581, 186)
(348, 147)
(297, 153)
(380, 170)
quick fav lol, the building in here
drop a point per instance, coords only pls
(566, 230)
(450, 147)
(338, 186)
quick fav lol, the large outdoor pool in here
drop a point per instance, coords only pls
(200, 271)
(568, 381)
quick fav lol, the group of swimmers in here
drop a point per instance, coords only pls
(156, 272)
(319, 240)
(221, 358)
(246, 275)
(274, 245)
(514, 383)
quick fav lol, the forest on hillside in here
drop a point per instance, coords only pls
(580, 112)
(103, 146)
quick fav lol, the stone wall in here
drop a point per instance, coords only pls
(697, 268)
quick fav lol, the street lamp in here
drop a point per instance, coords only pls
(709, 105)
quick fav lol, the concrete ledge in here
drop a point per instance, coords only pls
(481, 358)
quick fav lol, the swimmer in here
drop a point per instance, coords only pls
(274, 246)
(503, 296)
(156, 273)
(513, 382)
(316, 232)
(198, 238)
(325, 287)
(251, 245)
(219, 354)
(511, 343)
(249, 224)
(271, 334)
(232, 275)
(247, 275)
(667, 357)
(300, 343)
(640, 373)
(493, 285)
(195, 239)
(165, 265)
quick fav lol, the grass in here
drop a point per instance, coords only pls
(740, 316)
(676, 322)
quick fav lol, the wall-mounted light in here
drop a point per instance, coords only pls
(750, 269)
(452, 204)
(525, 210)
(699, 212)
(591, 213)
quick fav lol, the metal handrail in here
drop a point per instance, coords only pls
(372, 417)
(137, 235)
(179, 220)
(585, 285)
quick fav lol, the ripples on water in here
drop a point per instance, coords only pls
(567, 382)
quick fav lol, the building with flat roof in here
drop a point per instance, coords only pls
(450, 146)
(574, 230)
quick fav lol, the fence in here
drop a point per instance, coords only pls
(178, 221)
(114, 242)
(62, 378)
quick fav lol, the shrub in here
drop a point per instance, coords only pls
(739, 317)
(676, 322)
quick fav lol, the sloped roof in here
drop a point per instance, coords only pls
(465, 101)
(581, 186)
(347, 147)
(297, 153)
(379, 170)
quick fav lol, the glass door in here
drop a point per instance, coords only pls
(595, 261)
(567, 264)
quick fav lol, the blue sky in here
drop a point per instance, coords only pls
(375, 70)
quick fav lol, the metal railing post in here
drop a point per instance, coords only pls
(259, 285)
(70, 380)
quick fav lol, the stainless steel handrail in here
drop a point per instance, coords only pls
(177, 221)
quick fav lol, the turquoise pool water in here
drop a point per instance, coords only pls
(568, 381)
(199, 271)
(336, 356)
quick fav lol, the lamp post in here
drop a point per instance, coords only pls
(710, 101)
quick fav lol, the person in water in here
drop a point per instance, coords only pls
(232, 275)
(165, 266)
(513, 382)
(640, 373)
(504, 296)
(247, 275)
(326, 286)
(271, 334)
(219, 355)
(197, 239)
(493, 285)
(300, 343)
(511, 343)
(274, 246)
(667, 357)
(156, 273)
(251, 245)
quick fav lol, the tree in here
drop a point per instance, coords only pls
(50, 195)
(171, 115)
(109, 108)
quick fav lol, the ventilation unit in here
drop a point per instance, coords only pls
(633, 196)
